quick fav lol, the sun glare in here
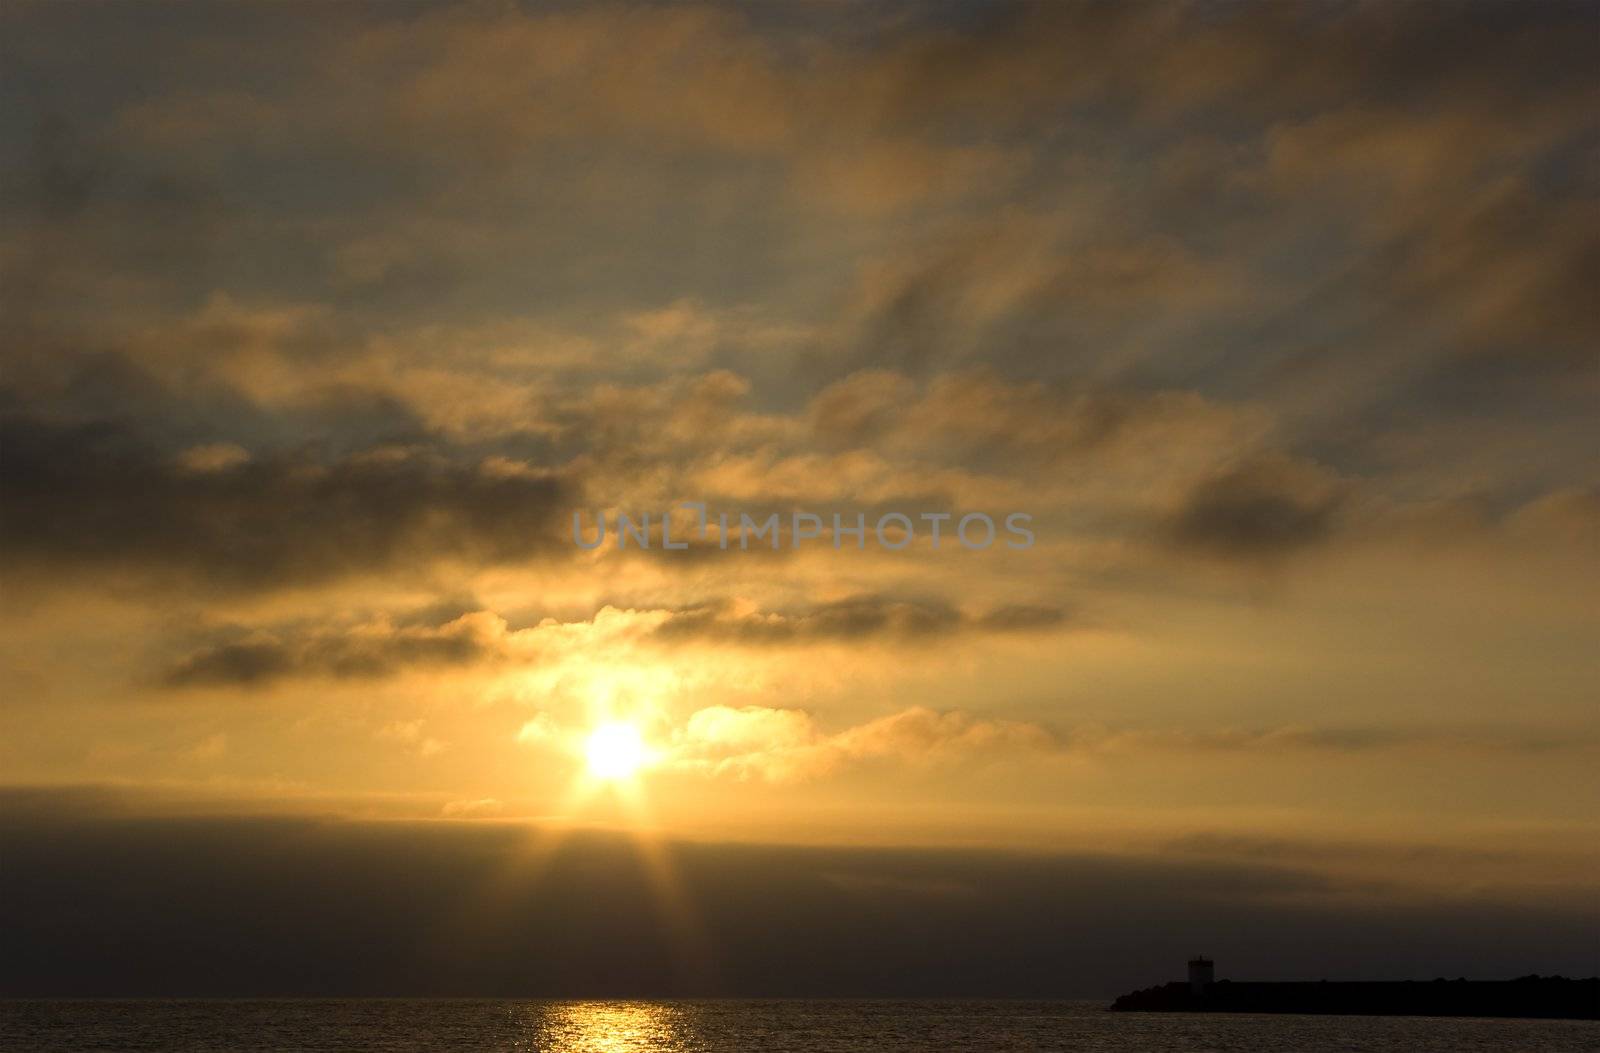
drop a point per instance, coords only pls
(615, 750)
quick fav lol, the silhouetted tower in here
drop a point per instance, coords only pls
(1201, 972)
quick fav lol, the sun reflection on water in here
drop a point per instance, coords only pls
(613, 1027)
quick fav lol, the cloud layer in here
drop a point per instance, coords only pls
(1275, 318)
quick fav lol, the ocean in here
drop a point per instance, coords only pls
(800, 1026)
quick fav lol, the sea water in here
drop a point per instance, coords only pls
(801, 1026)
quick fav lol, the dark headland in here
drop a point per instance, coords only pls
(1527, 996)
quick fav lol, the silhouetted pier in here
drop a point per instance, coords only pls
(1527, 996)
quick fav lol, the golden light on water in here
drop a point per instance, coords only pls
(614, 1027)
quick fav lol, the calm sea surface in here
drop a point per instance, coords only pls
(757, 1026)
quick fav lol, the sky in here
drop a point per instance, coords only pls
(324, 321)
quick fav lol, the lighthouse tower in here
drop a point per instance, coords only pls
(1201, 973)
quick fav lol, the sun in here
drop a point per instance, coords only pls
(615, 750)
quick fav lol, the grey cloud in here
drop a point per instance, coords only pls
(90, 225)
(235, 663)
(858, 619)
(363, 652)
(1352, 740)
(445, 636)
(1012, 73)
(294, 906)
(97, 496)
(845, 620)
(1021, 617)
(1245, 846)
(1258, 510)
(63, 175)
(978, 418)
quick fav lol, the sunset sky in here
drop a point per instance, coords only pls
(1280, 321)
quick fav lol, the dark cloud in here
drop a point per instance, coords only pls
(1258, 510)
(914, 328)
(448, 635)
(238, 663)
(98, 497)
(1280, 850)
(1333, 739)
(362, 652)
(84, 218)
(62, 176)
(851, 619)
(101, 906)
(1021, 617)
(858, 619)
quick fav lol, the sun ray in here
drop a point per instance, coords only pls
(614, 758)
